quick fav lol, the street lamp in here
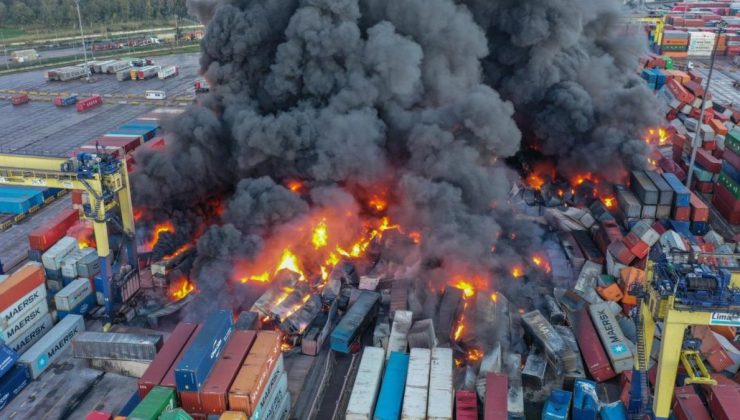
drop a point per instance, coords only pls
(696, 142)
(82, 35)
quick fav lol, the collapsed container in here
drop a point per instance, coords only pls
(52, 345)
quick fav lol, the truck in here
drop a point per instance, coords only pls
(168, 71)
(115, 67)
(155, 94)
(147, 72)
(68, 100)
(21, 56)
(201, 86)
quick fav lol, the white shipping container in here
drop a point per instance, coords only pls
(167, 71)
(615, 344)
(398, 340)
(417, 385)
(701, 44)
(72, 294)
(69, 263)
(22, 324)
(439, 406)
(284, 411)
(52, 345)
(365, 389)
(275, 400)
(272, 382)
(646, 233)
(22, 306)
(34, 334)
(52, 259)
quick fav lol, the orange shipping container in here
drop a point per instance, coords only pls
(233, 415)
(627, 277)
(252, 378)
(718, 127)
(611, 292)
(725, 331)
(20, 284)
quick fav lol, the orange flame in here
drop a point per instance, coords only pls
(657, 136)
(415, 237)
(378, 203)
(542, 263)
(517, 272)
(460, 328)
(609, 202)
(295, 185)
(289, 261)
(535, 181)
(158, 230)
(320, 236)
(494, 297)
(181, 288)
(467, 288)
(474, 355)
(178, 252)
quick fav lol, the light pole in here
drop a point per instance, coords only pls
(82, 35)
(696, 142)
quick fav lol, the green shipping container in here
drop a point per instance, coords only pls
(730, 184)
(176, 414)
(732, 140)
(157, 401)
(668, 62)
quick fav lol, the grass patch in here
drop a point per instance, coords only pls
(9, 33)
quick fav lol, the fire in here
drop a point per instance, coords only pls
(82, 244)
(181, 288)
(415, 237)
(657, 136)
(289, 261)
(494, 297)
(535, 181)
(138, 214)
(378, 203)
(609, 202)
(474, 355)
(542, 263)
(459, 328)
(320, 236)
(517, 272)
(295, 185)
(581, 178)
(467, 288)
(158, 230)
(262, 278)
(178, 252)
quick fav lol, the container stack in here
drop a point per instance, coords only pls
(726, 198)
(675, 44)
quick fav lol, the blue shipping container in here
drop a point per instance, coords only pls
(390, 398)
(7, 359)
(731, 171)
(205, 350)
(585, 400)
(130, 405)
(557, 405)
(82, 308)
(13, 383)
(613, 411)
(145, 133)
(683, 228)
(354, 321)
(681, 195)
(699, 228)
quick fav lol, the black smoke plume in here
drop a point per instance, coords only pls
(417, 96)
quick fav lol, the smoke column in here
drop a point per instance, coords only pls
(419, 97)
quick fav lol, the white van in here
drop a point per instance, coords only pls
(156, 94)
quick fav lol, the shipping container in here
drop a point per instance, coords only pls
(69, 263)
(52, 231)
(52, 258)
(88, 266)
(157, 401)
(118, 346)
(688, 406)
(13, 383)
(681, 195)
(23, 324)
(585, 400)
(354, 322)
(146, 72)
(593, 353)
(588, 247)
(627, 202)
(579, 372)
(99, 415)
(533, 373)
(612, 337)
(88, 103)
(417, 383)
(176, 414)
(557, 406)
(131, 368)
(390, 397)
(496, 401)
(259, 369)
(367, 383)
(167, 71)
(19, 99)
(401, 325)
(233, 415)
(74, 293)
(441, 389)
(19, 308)
(124, 74)
(7, 359)
(169, 378)
(643, 188)
(273, 406)
(665, 192)
(723, 401)
(128, 144)
(557, 353)
(207, 347)
(32, 335)
(165, 359)
(47, 350)
(215, 391)
(129, 406)
(466, 405)
(190, 401)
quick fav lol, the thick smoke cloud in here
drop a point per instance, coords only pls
(418, 97)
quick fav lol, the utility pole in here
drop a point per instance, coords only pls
(696, 142)
(82, 34)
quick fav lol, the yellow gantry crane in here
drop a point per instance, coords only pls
(657, 22)
(680, 299)
(103, 177)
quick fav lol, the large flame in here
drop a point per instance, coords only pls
(656, 136)
(158, 230)
(181, 288)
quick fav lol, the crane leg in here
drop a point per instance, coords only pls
(670, 354)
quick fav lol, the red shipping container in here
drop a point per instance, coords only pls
(91, 102)
(128, 144)
(636, 246)
(19, 99)
(705, 159)
(214, 395)
(723, 402)
(726, 204)
(688, 406)
(658, 227)
(165, 358)
(76, 197)
(620, 251)
(47, 235)
(695, 76)
(20, 284)
(169, 377)
(466, 405)
(591, 349)
(695, 88)
(710, 145)
(681, 213)
(190, 401)
(680, 92)
(702, 187)
(497, 401)
(699, 210)
(99, 415)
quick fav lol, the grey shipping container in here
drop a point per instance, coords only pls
(643, 188)
(617, 348)
(52, 345)
(557, 352)
(117, 346)
(628, 203)
(569, 378)
(89, 266)
(665, 192)
(533, 374)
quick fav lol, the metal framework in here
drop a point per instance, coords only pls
(106, 181)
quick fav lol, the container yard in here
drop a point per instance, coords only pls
(443, 217)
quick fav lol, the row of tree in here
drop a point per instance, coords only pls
(63, 13)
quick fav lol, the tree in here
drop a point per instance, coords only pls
(21, 13)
